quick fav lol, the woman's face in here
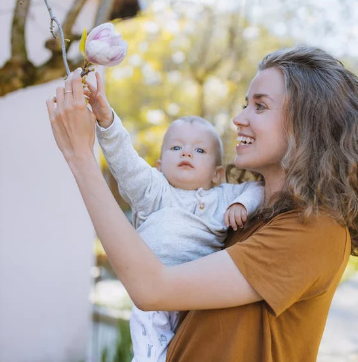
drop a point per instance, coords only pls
(262, 142)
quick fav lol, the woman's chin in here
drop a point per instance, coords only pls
(238, 162)
(241, 165)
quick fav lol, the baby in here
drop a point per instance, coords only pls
(180, 208)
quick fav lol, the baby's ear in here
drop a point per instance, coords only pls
(158, 165)
(218, 175)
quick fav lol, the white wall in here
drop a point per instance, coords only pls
(46, 235)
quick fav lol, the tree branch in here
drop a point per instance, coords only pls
(54, 20)
(18, 72)
(18, 42)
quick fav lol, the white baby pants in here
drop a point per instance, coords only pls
(151, 333)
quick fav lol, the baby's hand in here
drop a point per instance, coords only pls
(235, 215)
(98, 101)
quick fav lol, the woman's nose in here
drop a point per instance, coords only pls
(240, 120)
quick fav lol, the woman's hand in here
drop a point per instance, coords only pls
(73, 124)
(99, 103)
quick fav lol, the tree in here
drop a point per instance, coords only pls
(19, 72)
(184, 59)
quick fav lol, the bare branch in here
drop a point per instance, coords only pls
(18, 72)
(54, 20)
(18, 42)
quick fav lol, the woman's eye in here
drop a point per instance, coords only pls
(176, 148)
(199, 150)
(259, 107)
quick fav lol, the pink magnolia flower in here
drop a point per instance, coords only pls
(104, 46)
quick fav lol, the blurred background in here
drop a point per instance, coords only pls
(59, 299)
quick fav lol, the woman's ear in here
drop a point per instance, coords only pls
(158, 165)
(218, 175)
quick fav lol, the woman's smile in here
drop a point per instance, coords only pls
(242, 146)
(246, 140)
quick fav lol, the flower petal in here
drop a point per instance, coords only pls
(108, 28)
(104, 46)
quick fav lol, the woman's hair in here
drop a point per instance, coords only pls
(321, 108)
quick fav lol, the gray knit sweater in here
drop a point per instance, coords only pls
(178, 225)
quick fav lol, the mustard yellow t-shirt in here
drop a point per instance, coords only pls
(295, 268)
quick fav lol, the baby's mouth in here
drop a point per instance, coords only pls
(185, 164)
(245, 140)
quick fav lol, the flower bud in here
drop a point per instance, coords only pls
(104, 46)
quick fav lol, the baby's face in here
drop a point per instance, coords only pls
(189, 156)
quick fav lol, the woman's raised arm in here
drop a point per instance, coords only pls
(151, 285)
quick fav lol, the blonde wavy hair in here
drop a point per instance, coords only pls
(322, 130)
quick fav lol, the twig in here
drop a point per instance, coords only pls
(54, 19)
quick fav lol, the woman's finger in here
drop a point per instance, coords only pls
(77, 87)
(58, 130)
(50, 103)
(60, 95)
(68, 95)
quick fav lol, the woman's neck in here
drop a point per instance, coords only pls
(273, 184)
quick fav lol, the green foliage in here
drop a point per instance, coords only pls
(123, 352)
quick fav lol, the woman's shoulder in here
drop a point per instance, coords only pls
(290, 227)
(314, 232)
(322, 222)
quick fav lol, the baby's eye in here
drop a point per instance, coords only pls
(199, 150)
(176, 148)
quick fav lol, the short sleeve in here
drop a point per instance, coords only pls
(286, 260)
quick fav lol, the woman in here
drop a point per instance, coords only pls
(266, 297)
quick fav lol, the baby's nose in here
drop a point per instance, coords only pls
(186, 152)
